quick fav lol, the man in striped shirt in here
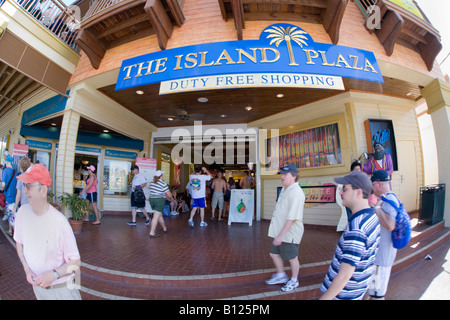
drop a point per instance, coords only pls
(351, 267)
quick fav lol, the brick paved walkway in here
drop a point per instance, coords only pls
(213, 250)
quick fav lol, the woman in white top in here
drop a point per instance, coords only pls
(159, 190)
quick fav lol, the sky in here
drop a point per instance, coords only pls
(438, 12)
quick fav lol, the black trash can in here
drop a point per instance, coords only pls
(432, 203)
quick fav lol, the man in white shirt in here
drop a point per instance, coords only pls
(286, 228)
(197, 191)
(138, 181)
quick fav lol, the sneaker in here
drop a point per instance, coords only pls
(291, 285)
(203, 224)
(131, 223)
(191, 223)
(147, 222)
(277, 279)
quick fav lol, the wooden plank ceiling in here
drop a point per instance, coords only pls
(229, 106)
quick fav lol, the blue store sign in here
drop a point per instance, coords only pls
(284, 55)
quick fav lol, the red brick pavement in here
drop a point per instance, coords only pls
(214, 249)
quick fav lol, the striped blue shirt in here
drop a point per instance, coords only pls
(357, 246)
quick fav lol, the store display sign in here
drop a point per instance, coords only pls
(38, 144)
(285, 54)
(319, 194)
(20, 150)
(241, 206)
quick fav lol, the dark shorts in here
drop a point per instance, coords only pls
(157, 204)
(287, 251)
(91, 197)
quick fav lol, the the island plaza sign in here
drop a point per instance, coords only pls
(284, 56)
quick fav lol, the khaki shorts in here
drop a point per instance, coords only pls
(287, 251)
(217, 200)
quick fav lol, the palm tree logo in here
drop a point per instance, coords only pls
(280, 34)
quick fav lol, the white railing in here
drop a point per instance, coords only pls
(98, 6)
(61, 20)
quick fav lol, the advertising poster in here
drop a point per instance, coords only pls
(241, 206)
(147, 167)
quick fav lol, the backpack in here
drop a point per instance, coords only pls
(402, 232)
(139, 196)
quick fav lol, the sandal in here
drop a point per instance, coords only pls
(153, 236)
(96, 223)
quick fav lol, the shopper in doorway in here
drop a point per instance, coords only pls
(159, 190)
(91, 193)
(352, 264)
(138, 181)
(247, 181)
(286, 228)
(9, 183)
(386, 254)
(220, 187)
(197, 191)
(174, 203)
(45, 242)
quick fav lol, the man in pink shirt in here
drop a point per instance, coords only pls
(45, 241)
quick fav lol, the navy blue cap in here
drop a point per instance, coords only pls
(288, 168)
(380, 175)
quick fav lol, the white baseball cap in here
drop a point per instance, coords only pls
(159, 173)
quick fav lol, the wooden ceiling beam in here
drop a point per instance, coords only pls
(239, 21)
(91, 46)
(160, 21)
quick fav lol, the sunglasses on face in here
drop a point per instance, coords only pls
(344, 188)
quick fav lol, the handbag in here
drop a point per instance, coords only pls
(2, 199)
(2, 193)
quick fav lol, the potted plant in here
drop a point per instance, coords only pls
(78, 206)
(50, 198)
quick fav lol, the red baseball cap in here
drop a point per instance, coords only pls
(37, 172)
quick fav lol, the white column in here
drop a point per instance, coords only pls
(66, 154)
(437, 95)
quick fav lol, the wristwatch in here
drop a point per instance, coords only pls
(56, 274)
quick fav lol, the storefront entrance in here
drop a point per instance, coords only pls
(217, 149)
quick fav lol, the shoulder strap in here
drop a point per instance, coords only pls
(12, 177)
(392, 203)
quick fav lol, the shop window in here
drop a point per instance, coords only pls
(3, 144)
(42, 157)
(316, 147)
(116, 177)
